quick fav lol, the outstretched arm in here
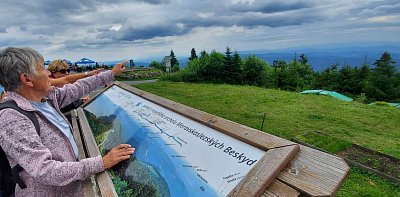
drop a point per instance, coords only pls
(60, 82)
(71, 92)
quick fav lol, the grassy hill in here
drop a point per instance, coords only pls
(292, 115)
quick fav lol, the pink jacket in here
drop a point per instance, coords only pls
(50, 168)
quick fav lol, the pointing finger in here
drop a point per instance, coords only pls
(124, 62)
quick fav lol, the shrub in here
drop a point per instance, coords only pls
(382, 103)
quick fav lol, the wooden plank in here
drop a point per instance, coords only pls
(87, 183)
(265, 171)
(103, 179)
(279, 189)
(326, 158)
(246, 134)
(315, 173)
(88, 188)
(77, 135)
(106, 185)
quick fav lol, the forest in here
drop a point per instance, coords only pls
(365, 83)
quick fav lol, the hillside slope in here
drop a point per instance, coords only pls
(291, 114)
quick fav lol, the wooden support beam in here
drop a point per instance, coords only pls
(315, 173)
(88, 188)
(280, 189)
(264, 173)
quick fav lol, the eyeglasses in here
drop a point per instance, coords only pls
(63, 71)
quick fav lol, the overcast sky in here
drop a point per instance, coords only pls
(136, 29)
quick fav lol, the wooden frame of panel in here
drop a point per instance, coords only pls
(279, 152)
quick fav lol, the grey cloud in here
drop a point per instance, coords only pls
(23, 42)
(277, 21)
(50, 8)
(23, 28)
(270, 6)
(52, 17)
(382, 9)
(39, 17)
(223, 19)
(78, 44)
(131, 34)
(3, 29)
(252, 19)
(155, 1)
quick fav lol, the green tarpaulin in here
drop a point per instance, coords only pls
(330, 93)
(395, 105)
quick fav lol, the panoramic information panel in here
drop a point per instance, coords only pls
(175, 156)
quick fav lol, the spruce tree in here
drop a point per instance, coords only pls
(237, 65)
(303, 59)
(192, 54)
(383, 79)
(362, 78)
(227, 68)
(174, 61)
(203, 54)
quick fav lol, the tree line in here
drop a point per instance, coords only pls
(378, 82)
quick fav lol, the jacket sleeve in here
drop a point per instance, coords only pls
(72, 92)
(72, 106)
(23, 146)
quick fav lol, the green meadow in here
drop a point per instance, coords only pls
(322, 121)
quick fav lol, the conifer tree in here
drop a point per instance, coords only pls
(362, 78)
(227, 67)
(383, 79)
(174, 61)
(192, 54)
(203, 54)
(347, 80)
(236, 69)
(303, 59)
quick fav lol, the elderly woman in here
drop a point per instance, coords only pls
(49, 160)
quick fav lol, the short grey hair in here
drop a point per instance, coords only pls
(15, 61)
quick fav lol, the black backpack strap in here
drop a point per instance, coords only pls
(16, 178)
(29, 114)
(17, 168)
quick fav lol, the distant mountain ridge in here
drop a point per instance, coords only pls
(319, 57)
(112, 63)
